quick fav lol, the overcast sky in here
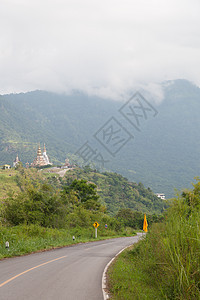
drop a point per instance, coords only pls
(104, 47)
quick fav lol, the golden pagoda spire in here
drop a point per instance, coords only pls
(39, 152)
(42, 158)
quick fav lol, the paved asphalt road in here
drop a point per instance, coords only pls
(72, 273)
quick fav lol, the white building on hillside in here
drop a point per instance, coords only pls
(161, 196)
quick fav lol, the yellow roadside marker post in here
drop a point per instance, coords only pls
(96, 224)
(145, 224)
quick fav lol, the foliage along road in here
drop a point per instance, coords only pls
(72, 273)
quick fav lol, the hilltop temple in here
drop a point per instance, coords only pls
(41, 159)
(16, 161)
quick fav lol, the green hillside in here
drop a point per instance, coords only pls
(8, 182)
(115, 191)
(163, 156)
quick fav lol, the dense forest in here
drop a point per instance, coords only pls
(164, 155)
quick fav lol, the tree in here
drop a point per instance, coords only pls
(37, 203)
(85, 192)
(19, 166)
(192, 198)
(130, 218)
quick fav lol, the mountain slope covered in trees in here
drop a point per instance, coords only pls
(116, 192)
(163, 156)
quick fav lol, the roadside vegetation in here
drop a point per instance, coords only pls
(25, 239)
(43, 211)
(165, 264)
(7, 182)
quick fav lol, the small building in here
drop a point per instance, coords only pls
(6, 167)
(161, 196)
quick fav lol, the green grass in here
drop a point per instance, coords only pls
(166, 264)
(26, 239)
(7, 182)
(127, 280)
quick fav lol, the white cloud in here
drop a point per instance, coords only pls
(105, 47)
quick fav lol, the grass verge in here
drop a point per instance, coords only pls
(126, 279)
(26, 239)
(166, 264)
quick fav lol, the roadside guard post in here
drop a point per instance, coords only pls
(96, 224)
(7, 245)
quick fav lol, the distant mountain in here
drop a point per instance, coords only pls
(62, 122)
(163, 155)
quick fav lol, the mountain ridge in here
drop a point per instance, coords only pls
(164, 155)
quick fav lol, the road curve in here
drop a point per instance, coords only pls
(69, 273)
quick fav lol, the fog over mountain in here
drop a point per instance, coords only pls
(162, 150)
(102, 48)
